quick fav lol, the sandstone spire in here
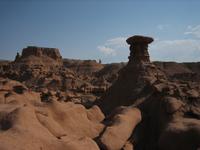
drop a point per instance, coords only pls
(139, 48)
(133, 78)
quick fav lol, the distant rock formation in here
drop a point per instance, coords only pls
(33, 55)
(43, 70)
(86, 67)
(17, 57)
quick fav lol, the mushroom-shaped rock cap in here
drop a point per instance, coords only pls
(139, 39)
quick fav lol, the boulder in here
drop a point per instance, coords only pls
(181, 134)
(172, 104)
(123, 124)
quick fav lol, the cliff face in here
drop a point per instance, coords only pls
(86, 67)
(40, 56)
(181, 71)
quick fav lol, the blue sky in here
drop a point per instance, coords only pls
(97, 29)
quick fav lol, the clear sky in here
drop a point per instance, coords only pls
(97, 29)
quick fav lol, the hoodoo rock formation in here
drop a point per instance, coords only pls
(47, 102)
(139, 48)
(134, 77)
(170, 110)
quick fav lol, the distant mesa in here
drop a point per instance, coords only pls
(39, 55)
(39, 51)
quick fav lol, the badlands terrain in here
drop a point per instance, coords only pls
(51, 103)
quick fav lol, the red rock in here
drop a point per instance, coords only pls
(40, 56)
(115, 136)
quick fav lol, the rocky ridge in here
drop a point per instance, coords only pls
(44, 70)
(74, 104)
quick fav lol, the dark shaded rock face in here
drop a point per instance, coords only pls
(133, 78)
(139, 48)
(170, 109)
(188, 72)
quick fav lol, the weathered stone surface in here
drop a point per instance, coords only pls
(133, 78)
(115, 136)
(181, 134)
(95, 114)
(39, 51)
(128, 146)
(39, 113)
(40, 56)
(161, 100)
(139, 39)
(173, 104)
(42, 70)
(86, 67)
(139, 48)
(28, 123)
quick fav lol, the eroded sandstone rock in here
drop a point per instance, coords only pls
(40, 55)
(116, 135)
(139, 48)
(164, 104)
(166, 96)
(28, 123)
(133, 78)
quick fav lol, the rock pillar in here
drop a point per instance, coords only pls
(139, 49)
